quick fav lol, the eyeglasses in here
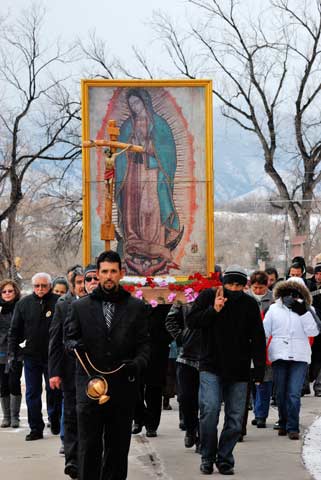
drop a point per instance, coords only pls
(7, 291)
(40, 285)
(90, 279)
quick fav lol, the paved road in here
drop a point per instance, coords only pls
(263, 455)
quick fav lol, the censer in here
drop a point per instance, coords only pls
(97, 386)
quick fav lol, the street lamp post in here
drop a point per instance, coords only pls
(257, 251)
(286, 253)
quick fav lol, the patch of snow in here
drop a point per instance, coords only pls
(311, 452)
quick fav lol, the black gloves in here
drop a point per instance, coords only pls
(71, 345)
(12, 364)
(294, 305)
(299, 308)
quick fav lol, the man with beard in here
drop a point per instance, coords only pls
(232, 335)
(109, 329)
(62, 370)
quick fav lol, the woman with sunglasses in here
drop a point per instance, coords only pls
(10, 386)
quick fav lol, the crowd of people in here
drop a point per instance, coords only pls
(111, 362)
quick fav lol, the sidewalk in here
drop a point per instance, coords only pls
(262, 455)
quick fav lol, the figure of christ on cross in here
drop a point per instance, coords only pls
(108, 228)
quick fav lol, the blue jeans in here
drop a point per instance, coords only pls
(288, 378)
(34, 370)
(262, 400)
(213, 390)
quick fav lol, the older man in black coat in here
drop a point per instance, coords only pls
(111, 327)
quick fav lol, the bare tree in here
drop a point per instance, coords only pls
(39, 119)
(266, 67)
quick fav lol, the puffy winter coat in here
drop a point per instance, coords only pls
(289, 330)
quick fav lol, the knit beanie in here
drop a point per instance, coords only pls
(235, 274)
(90, 268)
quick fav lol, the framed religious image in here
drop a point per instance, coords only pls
(162, 204)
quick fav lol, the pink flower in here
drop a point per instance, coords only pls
(163, 283)
(188, 291)
(139, 294)
(153, 303)
(189, 298)
(171, 297)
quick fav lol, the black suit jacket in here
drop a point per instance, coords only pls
(126, 340)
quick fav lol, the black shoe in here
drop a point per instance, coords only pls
(71, 470)
(317, 394)
(151, 433)
(33, 435)
(254, 421)
(62, 450)
(198, 447)
(276, 426)
(225, 469)
(261, 423)
(189, 440)
(241, 439)
(206, 468)
(55, 426)
(137, 428)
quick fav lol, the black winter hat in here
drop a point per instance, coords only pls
(90, 268)
(235, 274)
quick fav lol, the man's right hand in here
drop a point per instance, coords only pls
(55, 382)
(220, 300)
(72, 345)
(12, 364)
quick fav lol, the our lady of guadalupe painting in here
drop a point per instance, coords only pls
(163, 196)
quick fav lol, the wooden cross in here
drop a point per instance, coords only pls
(107, 231)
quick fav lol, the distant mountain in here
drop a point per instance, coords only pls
(238, 162)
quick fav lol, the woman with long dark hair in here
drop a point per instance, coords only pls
(10, 386)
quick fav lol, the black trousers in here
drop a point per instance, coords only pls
(149, 406)
(10, 383)
(104, 431)
(188, 386)
(71, 430)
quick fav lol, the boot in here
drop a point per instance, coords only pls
(5, 405)
(15, 402)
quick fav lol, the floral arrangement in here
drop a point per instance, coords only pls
(190, 287)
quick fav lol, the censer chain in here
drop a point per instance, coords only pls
(101, 371)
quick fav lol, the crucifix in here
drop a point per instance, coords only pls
(107, 231)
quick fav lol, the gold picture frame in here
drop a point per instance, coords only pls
(168, 229)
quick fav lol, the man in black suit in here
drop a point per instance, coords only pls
(112, 328)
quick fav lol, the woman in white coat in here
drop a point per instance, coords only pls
(290, 323)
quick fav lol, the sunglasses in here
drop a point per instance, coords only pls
(90, 279)
(7, 291)
(40, 285)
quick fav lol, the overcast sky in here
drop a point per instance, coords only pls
(122, 23)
